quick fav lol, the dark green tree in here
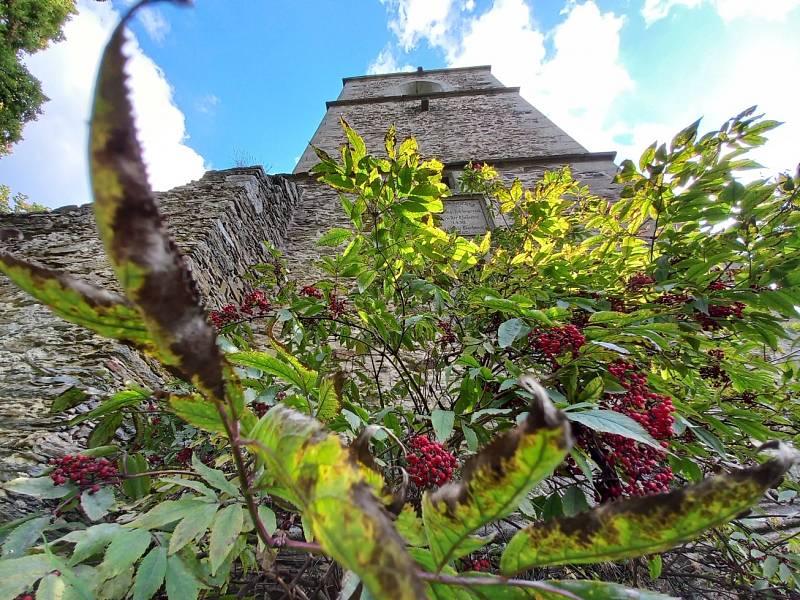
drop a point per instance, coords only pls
(26, 26)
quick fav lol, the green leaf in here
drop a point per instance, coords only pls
(150, 574)
(283, 365)
(555, 590)
(135, 487)
(164, 513)
(96, 506)
(654, 566)
(192, 525)
(647, 525)
(125, 548)
(470, 437)
(18, 575)
(66, 400)
(93, 541)
(106, 313)
(24, 536)
(498, 478)
(592, 391)
(328, 405)
(150, 270)
(214, 477)
(510, 331)
(334, 237)
(51, 587)
(115, 402)
(197, 411)
(335, 494)
(38, 487)
(192, 485)
(610, 421)
(181, 582)
(104, 431)
(267, 516)
(442, 422)
(227, 527)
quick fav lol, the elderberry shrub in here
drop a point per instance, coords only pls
(429, 464)
(639, 281)
(309, 291)
(86, 472)
(713, 372)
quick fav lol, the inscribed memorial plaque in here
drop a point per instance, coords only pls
(466, 216)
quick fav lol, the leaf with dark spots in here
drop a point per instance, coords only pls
(639, 526)
(497, 479)
(563, 589)
(146, 261)
(337, 498)
(79, 302)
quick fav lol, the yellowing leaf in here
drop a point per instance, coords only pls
(321, 477)
(648, 525)
(79, 302)
(496, 480)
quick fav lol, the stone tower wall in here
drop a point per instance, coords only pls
(219, 222)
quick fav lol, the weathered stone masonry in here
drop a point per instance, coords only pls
(221, 221)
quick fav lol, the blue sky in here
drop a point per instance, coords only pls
(247, 80)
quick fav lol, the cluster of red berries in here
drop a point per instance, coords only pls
(255, 304)
(618, 304)
(749, 397)
(479, 564)
(25, 596)
(556, 341)
(709, 321)
(714, 371)
(336, 307)
(448, 337)
(643, 466)
(638, 281)
(309, 291)
(719, 285)
(184, 455)
(476, 166)
(429, 463)
(87, 472)
(669, 299)
(260, 408)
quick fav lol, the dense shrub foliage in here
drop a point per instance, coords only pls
(581, 370)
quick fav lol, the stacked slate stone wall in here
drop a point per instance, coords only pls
(220, 223)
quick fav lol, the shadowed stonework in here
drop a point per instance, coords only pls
(220, 222)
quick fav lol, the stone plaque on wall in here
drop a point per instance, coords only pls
(466, 215)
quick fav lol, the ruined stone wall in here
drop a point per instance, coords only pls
(219, 222)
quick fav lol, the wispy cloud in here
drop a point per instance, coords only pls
(775, 10)
(208, 104)
(154, 23)
(386, 62)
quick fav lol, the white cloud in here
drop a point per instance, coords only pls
(586, 57)
(386, 62)
(421, 19)
(774, 10)
(50, 164)
(154, 23)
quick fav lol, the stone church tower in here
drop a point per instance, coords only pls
(220, 222)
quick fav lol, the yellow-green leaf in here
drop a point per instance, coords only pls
(106, 313)
(639, 526)
(323, 479)
(197, 411)
(497, 479)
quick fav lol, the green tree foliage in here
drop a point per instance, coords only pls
(586, 367)
(26, 26)
(20, 202)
